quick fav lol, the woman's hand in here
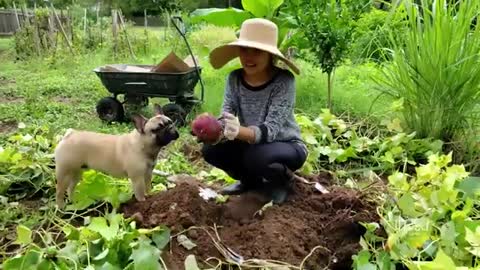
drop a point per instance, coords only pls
(232, 126)
(233, 130)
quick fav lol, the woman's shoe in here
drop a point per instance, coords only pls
(279, 194)
(281, 186)
(234, 189)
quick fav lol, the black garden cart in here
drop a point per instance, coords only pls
(137, 87)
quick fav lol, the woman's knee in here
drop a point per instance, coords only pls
(300, 158)
(259, 157)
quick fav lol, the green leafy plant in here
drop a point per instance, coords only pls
(430, 220)
(328, 27)
(26, 162)
(337, 145)
(268, 9)
(97, 187)
(435, 71)
(109, 242)
(371, 35)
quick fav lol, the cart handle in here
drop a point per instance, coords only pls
(189, 49)
(135, 83)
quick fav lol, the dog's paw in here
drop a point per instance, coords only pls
(60, 205)
(140, 198)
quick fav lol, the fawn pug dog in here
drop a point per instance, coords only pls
(131, 155)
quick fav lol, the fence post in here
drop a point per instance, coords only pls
(99, 22)
(167, 17)
(61, 28)
(70, 24)
(146, 32)
(98, 10)
(51, 32)
(84, 21)
(36, 33)
(122, 23)
(16, 15)
(114, 31)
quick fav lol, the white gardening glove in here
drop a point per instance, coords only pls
(232, 126)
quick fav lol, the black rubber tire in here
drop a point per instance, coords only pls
(109, 109)
(136, 100)
(175, 112)
(188, 104)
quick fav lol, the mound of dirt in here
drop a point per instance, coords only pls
(318, 230)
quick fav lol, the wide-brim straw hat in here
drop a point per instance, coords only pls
(256, 33)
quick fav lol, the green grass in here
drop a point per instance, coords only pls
(5, 43)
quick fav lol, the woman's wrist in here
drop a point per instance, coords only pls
(247, 134)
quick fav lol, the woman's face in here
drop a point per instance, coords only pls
(254, 60)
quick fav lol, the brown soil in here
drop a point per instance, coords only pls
(10, 99)
(8, 126)
(65, 100)
(325, 225)
(4, 80)
(8, 234)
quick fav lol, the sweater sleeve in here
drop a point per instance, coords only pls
(229, 101)
(281, 106)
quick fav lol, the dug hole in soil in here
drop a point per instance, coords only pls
(322, 231)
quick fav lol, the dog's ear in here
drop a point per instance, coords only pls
(139, 121)
(157, 109)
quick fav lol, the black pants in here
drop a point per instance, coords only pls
(251, 163)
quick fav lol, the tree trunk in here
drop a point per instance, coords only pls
(329, 98)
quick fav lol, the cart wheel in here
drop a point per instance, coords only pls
(109, 109)
(139, 100)
(175, 112)
(188, 104)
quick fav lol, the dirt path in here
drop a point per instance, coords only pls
(8, 126)
(328, 223)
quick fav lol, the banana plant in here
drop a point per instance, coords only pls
(234, 17)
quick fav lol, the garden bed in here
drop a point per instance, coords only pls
(313, 229)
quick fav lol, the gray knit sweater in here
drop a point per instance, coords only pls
(268, 108)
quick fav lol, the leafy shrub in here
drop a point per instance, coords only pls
(26, 164)
(430, 220)
(370, 36)
(339, 146)
(109, 242)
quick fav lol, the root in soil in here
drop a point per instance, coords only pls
(312, 229)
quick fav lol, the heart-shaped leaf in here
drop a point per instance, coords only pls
(191, 263)
(146, 256)
(162, 238)
(24, 235)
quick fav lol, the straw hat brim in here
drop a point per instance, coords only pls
(225, 53)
